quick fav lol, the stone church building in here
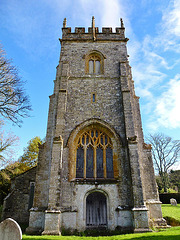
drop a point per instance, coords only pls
(94, 170)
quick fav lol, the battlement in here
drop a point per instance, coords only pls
(93, 33)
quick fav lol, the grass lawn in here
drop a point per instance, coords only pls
(171, 211)
(168, 234)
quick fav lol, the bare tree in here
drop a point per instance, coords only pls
(14, 103)
(7, 143)
(165, 152)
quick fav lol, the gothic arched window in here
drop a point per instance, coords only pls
(94, 155)
(94, 63)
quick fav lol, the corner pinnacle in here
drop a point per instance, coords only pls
(122, 24)
(93, 28)
(64, 23)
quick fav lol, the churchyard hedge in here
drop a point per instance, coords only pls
(165, 197)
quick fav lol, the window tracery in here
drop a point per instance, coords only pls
(94, 155)
(94, 63)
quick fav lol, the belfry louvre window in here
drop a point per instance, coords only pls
(94, 155)
(94, 65)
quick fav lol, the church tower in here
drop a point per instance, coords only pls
(94, 170)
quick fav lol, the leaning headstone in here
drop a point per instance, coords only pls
(10, 230)
(173, 202)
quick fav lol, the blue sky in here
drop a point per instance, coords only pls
(29, 33)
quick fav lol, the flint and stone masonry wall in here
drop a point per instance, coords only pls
(17, 203)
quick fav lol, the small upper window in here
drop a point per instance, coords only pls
(94, 63)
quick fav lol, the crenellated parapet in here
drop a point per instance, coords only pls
(93, 33)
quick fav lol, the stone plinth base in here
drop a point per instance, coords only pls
(159, 223)
(142, 230)
(155, 214)
(141, 223)
(52, 222)
(33, 231)
(36, 221)
(154, 208)
(51, 233)
(125, 218)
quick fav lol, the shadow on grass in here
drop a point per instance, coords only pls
(169, 237)
(170, 234)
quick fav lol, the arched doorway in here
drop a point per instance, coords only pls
(96, 210)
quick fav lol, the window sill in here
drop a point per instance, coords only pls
(94, 75)
(95, 181)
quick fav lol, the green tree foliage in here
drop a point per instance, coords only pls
(165, 153)
(174, 179)
(14, 103)
(26, 162)
(159, 183)
(30, 155)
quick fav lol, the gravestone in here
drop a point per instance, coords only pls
(10, 230)
(173, 202)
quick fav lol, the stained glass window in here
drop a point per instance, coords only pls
(80, 162)
(95, 151)
(99, 157)
(109, 163)
(89, 162)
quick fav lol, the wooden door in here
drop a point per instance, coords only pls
(96, 210)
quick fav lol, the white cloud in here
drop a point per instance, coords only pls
(29, 25)
(107, 13)
(176, 166)
(154, 57)
(169, 28)
(111, 12)
(148, 66)
(171, 18)
(167, 111)
(143, 92)
(148, 61)
(153, 62)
